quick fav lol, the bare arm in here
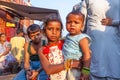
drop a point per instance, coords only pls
(49, 68)
(26, 57)
(84, 44)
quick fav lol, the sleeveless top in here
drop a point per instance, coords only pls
(55, 56)
(71, 48)
(34, 57)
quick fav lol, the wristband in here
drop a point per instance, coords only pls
(85, 70)
(88, 69)
(67, 64)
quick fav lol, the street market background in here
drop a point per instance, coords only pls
(63, 6)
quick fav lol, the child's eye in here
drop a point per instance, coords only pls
(49, 28)
(76, 22)
(58, 29)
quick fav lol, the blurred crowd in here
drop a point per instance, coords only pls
(12, 53)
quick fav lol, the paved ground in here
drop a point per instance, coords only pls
(7, 77)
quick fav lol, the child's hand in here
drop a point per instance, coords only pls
(84, 77)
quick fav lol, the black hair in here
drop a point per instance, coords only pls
(33, 28)
(52, 18)
(19, 31)
(76, 13)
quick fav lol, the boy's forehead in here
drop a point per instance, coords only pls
(35, 32)
(75, 16)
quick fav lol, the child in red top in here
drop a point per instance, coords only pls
(51, 56)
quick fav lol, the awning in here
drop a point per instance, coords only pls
(28, 11)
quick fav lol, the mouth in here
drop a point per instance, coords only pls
(72, 29)
(53, 36)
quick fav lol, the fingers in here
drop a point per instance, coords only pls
(34, 75)
(106, 21)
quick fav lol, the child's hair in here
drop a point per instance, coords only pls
(32, 29)
(76, 13)
(50, 19)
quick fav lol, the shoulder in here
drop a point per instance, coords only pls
(22, 38)
(60, 44)
(44, 49)
(85, 37)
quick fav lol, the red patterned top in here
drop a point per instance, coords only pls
(55, 56)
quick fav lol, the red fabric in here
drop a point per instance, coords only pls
(46, 48)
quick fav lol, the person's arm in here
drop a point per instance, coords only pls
(27, 68)
(49, 69)
(26, 58)
(110, 22)
(84, 44)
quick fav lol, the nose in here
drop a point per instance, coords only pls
(72, 23)
(37, 36)
(54, 32)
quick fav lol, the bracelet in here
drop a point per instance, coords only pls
(85, 70)
(71, 63)
(67, 64)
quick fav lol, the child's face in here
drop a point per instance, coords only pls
(53, 31)
(36, 36)
(74, 24)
